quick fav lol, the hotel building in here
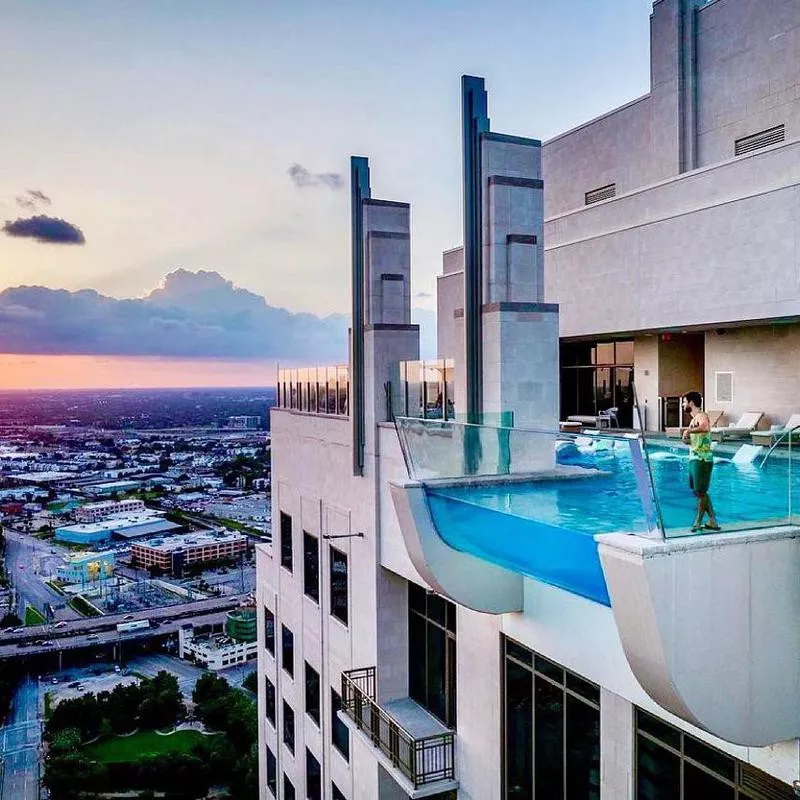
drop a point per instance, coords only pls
(462, 601)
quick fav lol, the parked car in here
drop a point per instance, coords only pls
(128, 616)
(93, 636)
(61, 624)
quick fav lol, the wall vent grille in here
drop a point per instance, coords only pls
(758, 140)
(724, 387)
(603, 193)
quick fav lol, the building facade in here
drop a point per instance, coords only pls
(178, 552)
(94, 512)
(86, 568)
(397, 657)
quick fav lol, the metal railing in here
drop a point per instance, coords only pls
(423, 761)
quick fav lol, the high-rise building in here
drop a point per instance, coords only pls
(465, 598)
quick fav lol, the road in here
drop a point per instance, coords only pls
(19, 744)
(27, 559)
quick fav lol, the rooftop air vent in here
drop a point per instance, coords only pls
(758, 140)
(603, 193)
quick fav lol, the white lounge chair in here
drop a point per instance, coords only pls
(714, 418)
(747, 423)
(768, 438)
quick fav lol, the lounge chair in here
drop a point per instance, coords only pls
(714, 418)
(768, 438)
(742, 429)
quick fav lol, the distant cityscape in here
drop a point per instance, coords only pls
(128, 524)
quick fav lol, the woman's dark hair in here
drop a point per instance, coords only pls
(694, 398)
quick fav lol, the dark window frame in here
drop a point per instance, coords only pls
(269, 635)
(313, 709)
(336, 792)
(289, 792)
(270, 701)
(286, 544)
(311, 570)
(272, 773)
(289, 727)
(290, 639)
(313, 780)
(338, 728)
(339, 587)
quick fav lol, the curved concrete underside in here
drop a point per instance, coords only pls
(699, 613)
(463, 578)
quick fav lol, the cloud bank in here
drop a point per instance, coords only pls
(192, 314)
(41, 228)
(304, 179)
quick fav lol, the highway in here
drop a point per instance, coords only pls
(19, 744)
(27, 558)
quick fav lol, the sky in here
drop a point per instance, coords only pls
(163, 133)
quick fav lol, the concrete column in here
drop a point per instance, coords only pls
(617, 747)
(392, 641)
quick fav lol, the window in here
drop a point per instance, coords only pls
(336, 792)
(272, 773)
(602, 193)
(673, 764)
(432, 653)
(758, 140)
(269, 700)
(286, 541)
(288, 726)
(339, 585)
(269, 631)
(340, 735)
(312, 693)
(311, 566)
(552, 729)
(313, 777)
(288, 789)
(287, 650)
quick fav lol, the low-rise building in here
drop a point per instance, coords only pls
(87, 568)
(92, 512)
(122, 527)
(111, 487)
(244, 422)
(237, 645)
(178, 552)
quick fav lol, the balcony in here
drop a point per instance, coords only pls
(414, 747)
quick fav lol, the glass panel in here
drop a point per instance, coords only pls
(697, 783)
(658, 772)
(416, 658)
(339, 585)
(437, 664)
(603, 396)
(519, 732)
(451, 682)
(313, 777)
(312, 693)
(312, 390)
(583, 688)
(548, 668)
(436, 609)
(336, 793)
(287, 652)
(624, 353)
(340, 735)
(417, 598)
(549, 744)
(272, 773)
(269, 698)
(295, 402)
(311, 566)
(450, 390)
(709, 757)
(605, 353)
(519, 652)
(286, 541)
(288, 726)
(269, 631)
(583, 750)
(660, 730)
(288, 789)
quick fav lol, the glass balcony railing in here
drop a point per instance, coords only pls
(423, 389)
(315, 390)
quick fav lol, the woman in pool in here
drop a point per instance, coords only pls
(701, 461)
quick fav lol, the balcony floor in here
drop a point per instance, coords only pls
(414, 718)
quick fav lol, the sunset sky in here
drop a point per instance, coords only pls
(164, 131)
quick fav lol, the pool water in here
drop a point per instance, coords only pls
(544, 529)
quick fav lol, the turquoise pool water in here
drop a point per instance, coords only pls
(544, 529)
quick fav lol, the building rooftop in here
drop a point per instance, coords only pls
(188, 540)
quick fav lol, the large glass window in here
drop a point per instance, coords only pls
(672, 765)
(286, 541)
(269, 631)
(339, 585)
(432, 653)
(311, 566)
(269, 700)
(287, 650)
(288, 726)
(272, 773)
(312, 693)
(340, 735)
(552, 730)
(288, 789)
(336, 792)
(313, 777)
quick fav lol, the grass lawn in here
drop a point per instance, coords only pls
(120, 749)
(33, 616)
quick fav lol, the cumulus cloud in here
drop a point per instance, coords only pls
(41, 228)
(192, 314)
(304, 179)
